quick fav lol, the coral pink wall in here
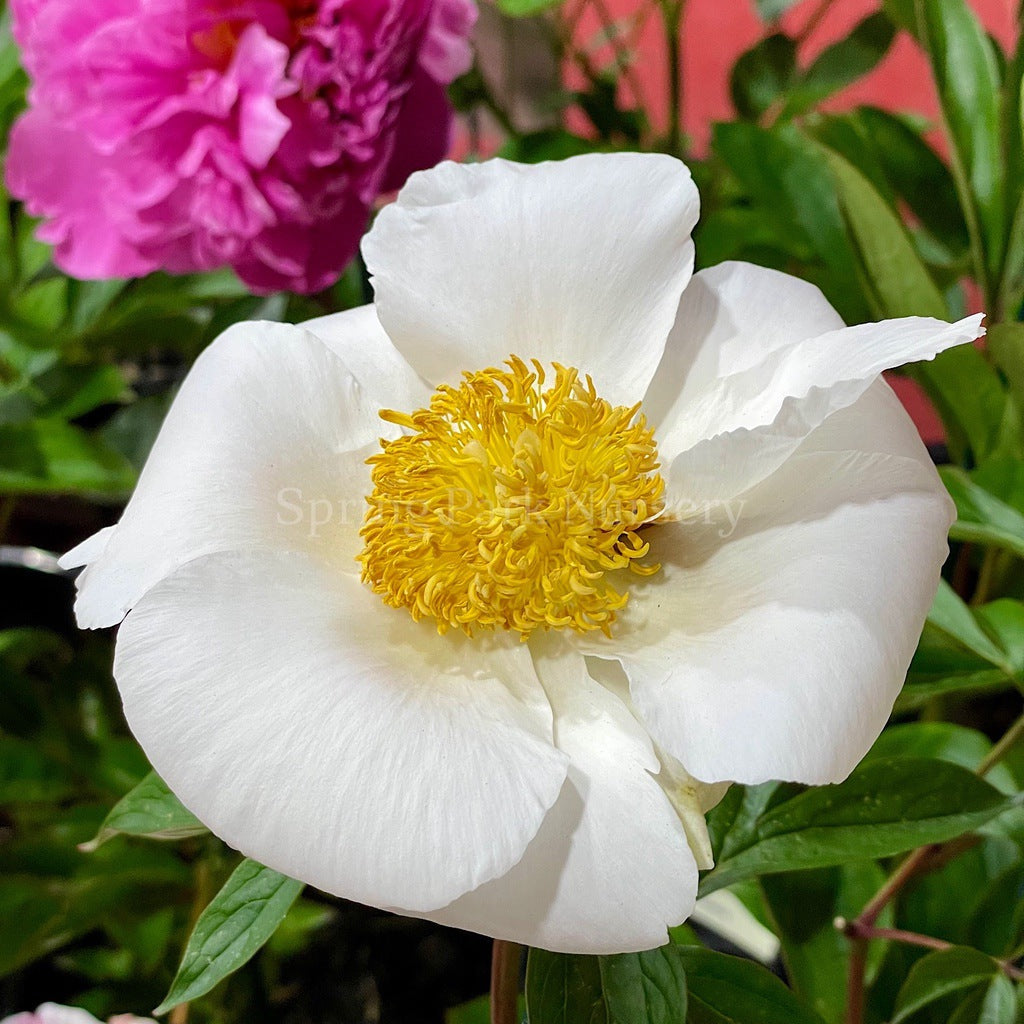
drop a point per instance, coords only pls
(717, 31)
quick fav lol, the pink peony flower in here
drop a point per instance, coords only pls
(54, 1013)
(185, 135)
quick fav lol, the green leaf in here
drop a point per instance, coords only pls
(88, 300)
(215, 284)
(477, 1011)
(132, 430)
(967, 77)
(149, 937)
(1012, 121)
(926, 906)
(1003, 620)
(525, 8)
(601, 103)
(12, 78)
(996, 1003)
(981, 516)
(78, 390)
(842, 63)
(885, 807)
(27, 774)
(550, 144)
(960, 745)
(229, 932)
(31, 909)
(804, 906)
(59, 391)
(762, 76)
(772, 10)
(945, 741)
(940, 974)
(293, 933)
(1006, 346)
(51, 456)
(43, 913)
(1003, 477)
(732, 824)
(898, 283)
(735, 232)
(952, 616)
(727, 990)
(900, 164)
(628, 988)
(8, 257)
(42, 303)
(961, 650)
(919, 691)
(149, 810)
(786, 178)
(996, 923)
(21, 647)
(969, 396)
(100, 965)
(22, 361)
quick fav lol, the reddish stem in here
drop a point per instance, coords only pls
(505, 961)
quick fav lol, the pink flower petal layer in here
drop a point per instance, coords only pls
(186, 135)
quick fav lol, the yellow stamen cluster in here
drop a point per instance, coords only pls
(509, 504)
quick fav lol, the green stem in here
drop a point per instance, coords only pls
(202, 877)
(623, 58)
(962, 571)
(856, 930)
(179, 1015)
(486, 96)
(1010, 276)
(505, 961)
(564, 29)
(895, 883)
(1010, 738)
(986, 577)
(672, 12)
(813, 21)
(855, 976)
(963, 189)
(861, 930)
(863, 933)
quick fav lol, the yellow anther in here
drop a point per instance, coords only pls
(512, 505)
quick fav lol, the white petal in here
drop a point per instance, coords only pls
(876, 422)
(723, 913)
(691, 798)
(264, 447)
(580, 262)
(54, 1013)
(852, 356)
(774, 647)
(757, 363)
(369, 355)
(731, 318)
(89, 550)
(332, 738)
(610, 870)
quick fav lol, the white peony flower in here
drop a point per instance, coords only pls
(628, 529)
